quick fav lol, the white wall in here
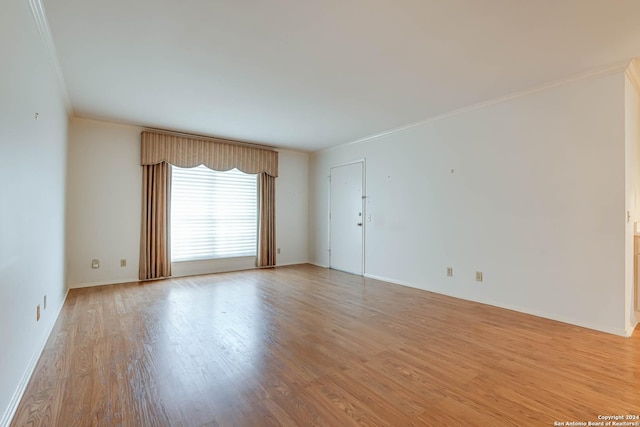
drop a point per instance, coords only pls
(536, 202)
(104, 203)
(292, 208)
(632, 179)
(32, 196)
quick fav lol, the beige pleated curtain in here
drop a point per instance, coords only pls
(266, 220)
(155, 246)
(159, 151)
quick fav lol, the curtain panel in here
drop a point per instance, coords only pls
(219, 155)
(266, 221)
(155, 247)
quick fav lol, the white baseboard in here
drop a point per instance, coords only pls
(100, 283)
(26, 376)
(179, 273)
(395, 281)
(318, 265)
(292, 263)
(630, 329)
(623, 332)
(136, 280)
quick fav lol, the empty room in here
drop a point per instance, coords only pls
(331, 213)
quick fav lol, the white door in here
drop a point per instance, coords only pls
(346, 218)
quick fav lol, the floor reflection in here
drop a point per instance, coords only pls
(213, 336)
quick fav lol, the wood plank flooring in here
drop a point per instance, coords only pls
(303, 345)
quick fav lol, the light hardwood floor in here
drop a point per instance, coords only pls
(303, 345)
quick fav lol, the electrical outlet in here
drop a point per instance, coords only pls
(38, 313)
(123, 263)
(44, 306)
(278, 250)
(450, 271)
(95, 263)
(478, 276)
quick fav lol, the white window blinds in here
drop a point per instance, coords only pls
(213, 214)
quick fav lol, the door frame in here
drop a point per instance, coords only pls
(362, 160)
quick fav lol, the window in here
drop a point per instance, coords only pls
(213, 214)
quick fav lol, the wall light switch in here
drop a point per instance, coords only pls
(478, 276)
(450, 271)
(368, 217)
(95, 263)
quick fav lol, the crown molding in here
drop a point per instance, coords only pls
(633, 73)
(40, 18)
(618, 67)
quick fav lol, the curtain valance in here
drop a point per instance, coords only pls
(187, 152)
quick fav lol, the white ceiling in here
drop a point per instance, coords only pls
(312, 74)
